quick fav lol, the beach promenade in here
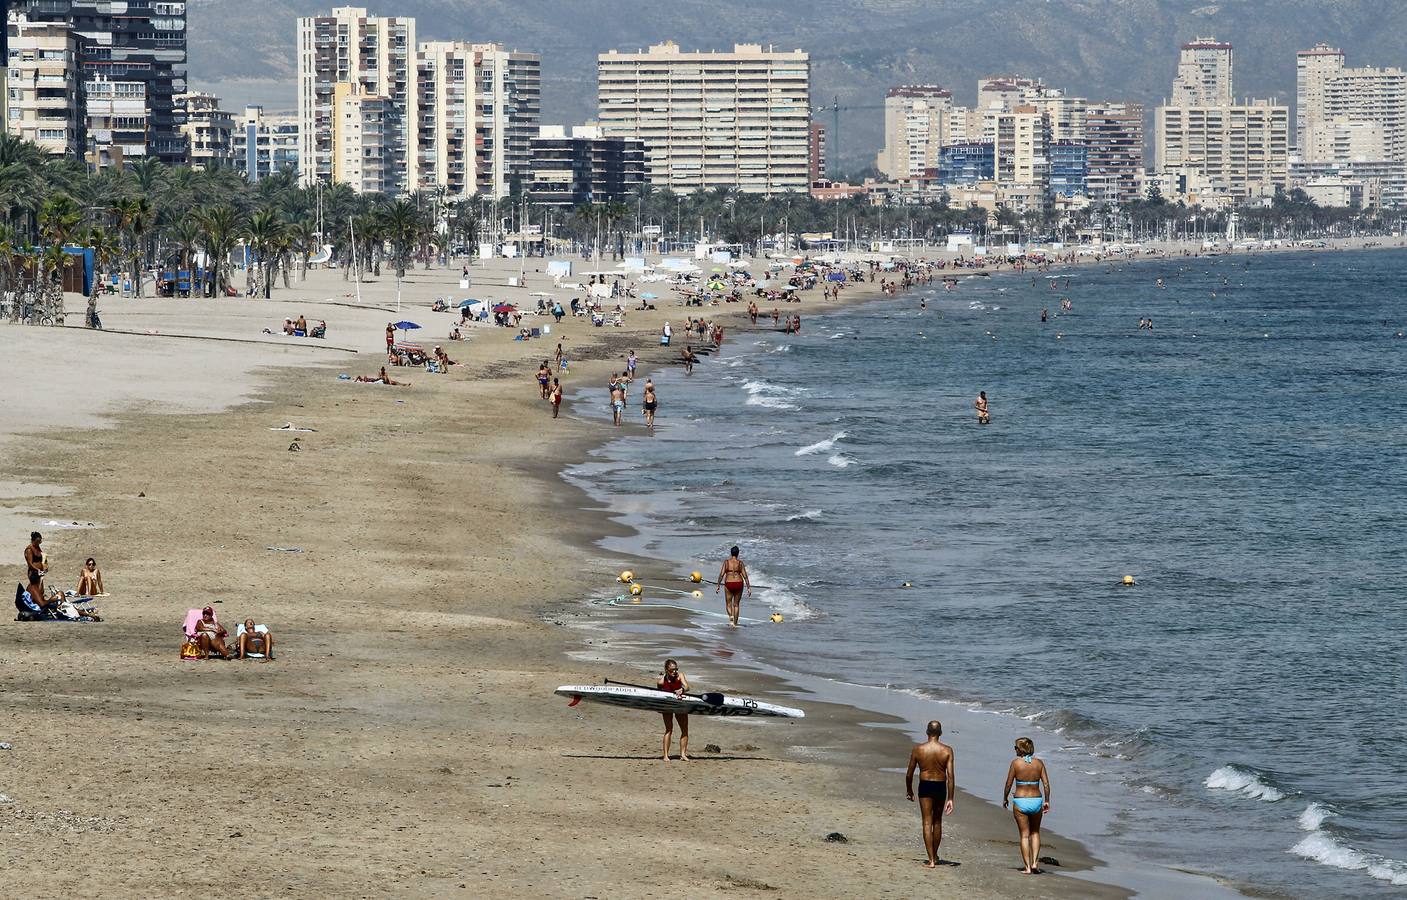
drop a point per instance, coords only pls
(406, 742)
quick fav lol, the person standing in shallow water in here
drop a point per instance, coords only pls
(1030, 779)
(937, 783)
(732, 578)
(980, 404)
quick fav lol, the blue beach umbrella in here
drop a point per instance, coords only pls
(464, 303)
(406, 326)
(648, 296)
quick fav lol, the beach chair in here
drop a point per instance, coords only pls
(536, 332)
(239, 631)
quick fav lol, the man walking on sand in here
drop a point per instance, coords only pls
(937, 782)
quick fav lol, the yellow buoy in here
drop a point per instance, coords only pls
(696, 577)
(627, 576)
(777, 617)
(1128, 580)
(697, 595)
(636, 590)
(634, 599)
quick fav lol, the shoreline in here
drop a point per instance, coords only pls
(417, 669)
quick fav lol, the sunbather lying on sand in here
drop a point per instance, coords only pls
(383, 378)
(252, 641)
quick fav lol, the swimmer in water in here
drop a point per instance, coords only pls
(980, 404)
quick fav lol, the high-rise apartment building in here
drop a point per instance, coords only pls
(263, 145)
(1020, 142)
(583, 167)
(1331, 98)
(376, 56)
(135, 52)
(736, 119)
(1114, 158)
(508, 109)
(1203, 74)
(915, 123)
(1245, 147)
(365, 128)
(45, 86)
(209, 131)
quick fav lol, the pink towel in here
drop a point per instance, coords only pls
(193, 617)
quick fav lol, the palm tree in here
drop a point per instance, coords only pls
(106, 248)
(219, 231)
(401, 224)
(133, 216)
(265, 234)
(303, 240)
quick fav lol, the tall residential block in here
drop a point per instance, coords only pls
(1020, 142)
(135, 52)
(375, 56)
(263, 145)
(583, 167)
(816, 152)
(1114, 159)
(915, 124)
(1244, 148)
(45, 87)
(508, 108)
(209, 131)
(1203, 74)
(736, 119)
(1331, 99)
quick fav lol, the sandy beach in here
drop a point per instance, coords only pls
(429, 596)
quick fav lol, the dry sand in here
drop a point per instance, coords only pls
(406, 741)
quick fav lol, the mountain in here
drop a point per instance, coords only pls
(1101, 49)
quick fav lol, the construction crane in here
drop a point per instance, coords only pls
(835, 110)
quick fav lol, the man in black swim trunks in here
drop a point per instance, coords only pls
(936, 785)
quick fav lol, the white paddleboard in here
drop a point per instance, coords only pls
(662, 701)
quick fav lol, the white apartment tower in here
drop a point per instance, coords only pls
(1020, 139)
(1203, 74)
(916, 117)
(1332, 98)
(738, 119)
(375, 54)
(45, 86)
(1244, 147)
(209, 131)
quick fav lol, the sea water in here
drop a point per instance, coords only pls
(1238, 708)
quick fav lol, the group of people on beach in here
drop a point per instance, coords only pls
(1026, 792)
(36, 601)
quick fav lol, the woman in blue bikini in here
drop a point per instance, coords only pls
(1029, 777)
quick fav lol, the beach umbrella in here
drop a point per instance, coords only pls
(505, 308)
(406, 326)
(648, 296)
(464, 303)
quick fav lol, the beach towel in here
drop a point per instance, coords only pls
(29, 611)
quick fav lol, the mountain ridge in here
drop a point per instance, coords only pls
(1100, 49)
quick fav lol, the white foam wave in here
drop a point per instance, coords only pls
(810, 515)
(1314, 815)
(780, 596)
(772, 396)
(1322, 847)
(785, 348)
(840, 460)
(1240, 781)
(822, 446)
(838, 334)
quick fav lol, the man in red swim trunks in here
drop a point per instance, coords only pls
(732, 577)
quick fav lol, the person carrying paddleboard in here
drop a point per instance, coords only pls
(675, 683)
(732, 578)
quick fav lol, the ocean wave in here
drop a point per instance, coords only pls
(1326, 849)
(1314, 815)
(810, 515)
(822, 446)
(1244, 782)
(781, 596)
(840, 460)
(772, 396)
(785, 348)
(838, 334)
